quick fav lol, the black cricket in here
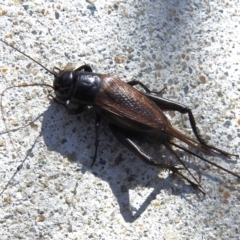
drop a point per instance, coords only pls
(132, 115)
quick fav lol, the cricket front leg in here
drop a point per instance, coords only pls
(85, 67)
(97, 125)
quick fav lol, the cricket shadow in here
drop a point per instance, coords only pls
(74, 137)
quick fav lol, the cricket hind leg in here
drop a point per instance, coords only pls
(168, 105)
(133, 147)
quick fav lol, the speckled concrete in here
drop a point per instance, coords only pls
(191, 47)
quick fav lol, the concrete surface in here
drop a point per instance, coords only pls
(191, 47)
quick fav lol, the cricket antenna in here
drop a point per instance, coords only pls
(53, 73)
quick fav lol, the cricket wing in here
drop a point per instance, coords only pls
(119, 100)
